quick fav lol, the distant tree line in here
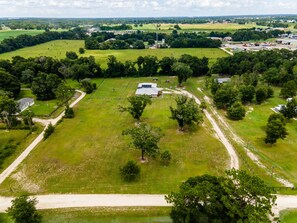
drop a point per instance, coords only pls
(44, 74)
(21, 41)
(248, 34)
(104, 40)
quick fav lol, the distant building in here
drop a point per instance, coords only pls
(25, 103)
(149, 89)
(223, 80)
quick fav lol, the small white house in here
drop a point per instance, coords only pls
(149, 89)
(25, 103)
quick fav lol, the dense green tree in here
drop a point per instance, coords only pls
(182, 71)
(81, 50)
(236, 111)
(290, 110)
(137, 105)
(139, 44)
(166, 66)
(44, 85)
(28, 118)
(275, 129)
(247, 93)
(225, 96)
(186, 113)
(261, 95)
(48, 131)
(9, 83)
(145, 138)
(88, 86)
(27, 77)
(64, 93)
(71, 55)
(237, 197)
(147, 65)
(69, 112)
(23, 210)
(289, 89)
(130, 171)
(114, 67)
(8, 109)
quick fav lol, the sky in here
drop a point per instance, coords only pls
(145, 8)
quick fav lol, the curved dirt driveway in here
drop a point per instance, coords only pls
(39, 138)
(234, 161)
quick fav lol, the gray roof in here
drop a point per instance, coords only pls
(24, 103)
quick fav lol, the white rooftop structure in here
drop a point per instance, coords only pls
(25, 103)
(149, 89)
(223, 80)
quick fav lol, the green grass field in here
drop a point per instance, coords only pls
(288, 216)
(20, 138)
(278, 158)
(58, 49)
(220, 27)
(40, 108)
(84, 154)
(14, 33)
(103, 215)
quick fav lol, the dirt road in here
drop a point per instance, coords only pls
(39, 138)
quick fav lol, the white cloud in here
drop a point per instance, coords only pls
(123, 8)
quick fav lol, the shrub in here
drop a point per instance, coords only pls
(6, 151)
(81, 50)
(48, 131)
(236, 111)
(88, 86)
(166, 157)
(69, 113)
(71, 55)
(130, 172)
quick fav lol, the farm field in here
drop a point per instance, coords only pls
(58, 49)
(14, 33)
(84, 154)
(288, 216)
(226, 27)
(103, 215)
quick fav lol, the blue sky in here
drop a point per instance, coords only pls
(145, 8)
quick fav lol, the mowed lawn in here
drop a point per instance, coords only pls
(103, 215)
(85, 153)
(288, 216)
(40, 108)
(280, 157)
(19, 138)
(14, 33)
(58, 48)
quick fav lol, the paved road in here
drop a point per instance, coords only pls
(39, 138)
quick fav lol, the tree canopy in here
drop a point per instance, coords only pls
(145, 138)
(236, 197)
(23, 210)
(137, 105)
(186, 113)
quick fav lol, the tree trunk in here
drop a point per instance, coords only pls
(142, 155)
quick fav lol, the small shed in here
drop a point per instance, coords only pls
(223, 80)
(25, 103)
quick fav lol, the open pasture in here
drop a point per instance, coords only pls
(84, 154)
(58, 48)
